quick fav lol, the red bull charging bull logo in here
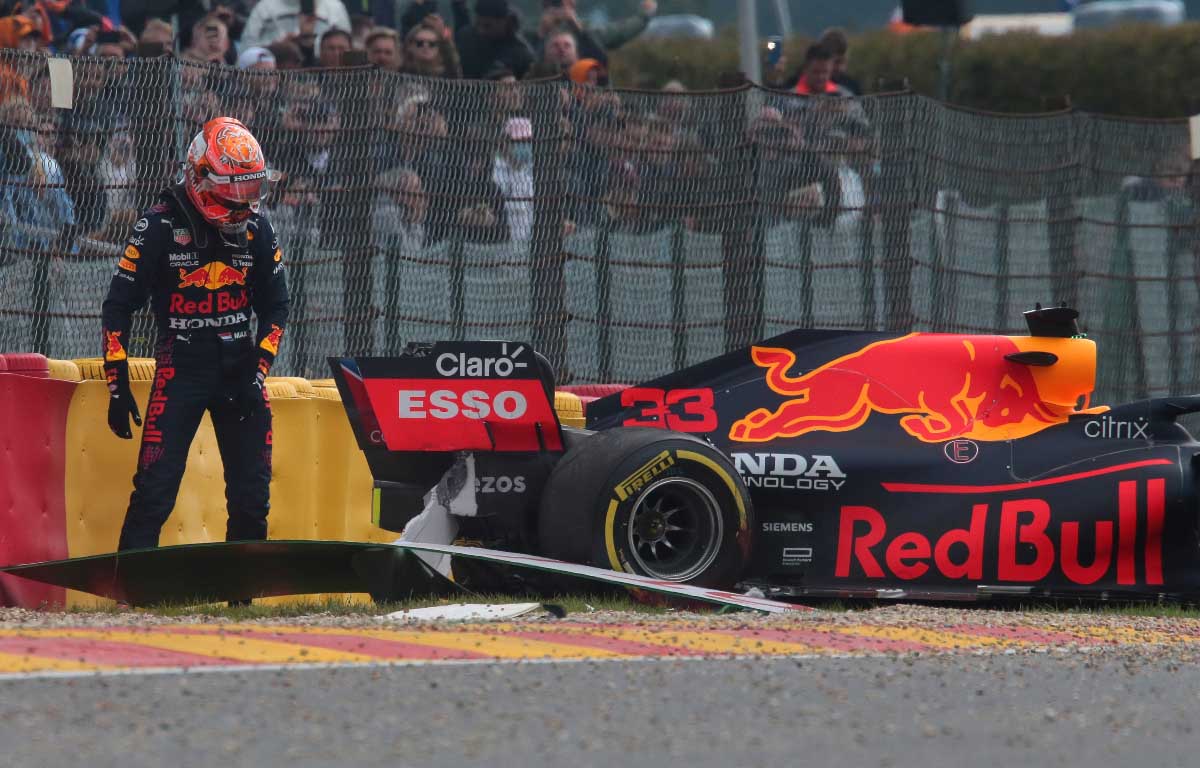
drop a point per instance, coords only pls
(113, 350)
(271, 341)
(948, 386)
(213, 276)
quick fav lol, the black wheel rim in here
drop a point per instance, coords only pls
(675, 530)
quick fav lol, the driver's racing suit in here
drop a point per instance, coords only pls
(202, 285)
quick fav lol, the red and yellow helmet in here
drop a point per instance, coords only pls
(226, 175)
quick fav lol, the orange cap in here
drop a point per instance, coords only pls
(579, 70)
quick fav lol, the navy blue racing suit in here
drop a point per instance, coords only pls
(203, 285)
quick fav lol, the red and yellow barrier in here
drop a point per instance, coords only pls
(65, 479)
(33, 448)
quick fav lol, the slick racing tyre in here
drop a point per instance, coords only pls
(648, 501)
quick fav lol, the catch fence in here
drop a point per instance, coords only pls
(637, 233)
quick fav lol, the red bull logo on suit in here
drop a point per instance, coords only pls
(213, 276)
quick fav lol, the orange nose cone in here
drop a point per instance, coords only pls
(1065, 387)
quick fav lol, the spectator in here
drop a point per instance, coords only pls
(561, 18)
(37, 209)
(415, 13)
(676, 108)
(273, 20)
(287, 55)
(482, 217)
(251, 98)
(111, 45)
(158, 32)
(861, 153)
(494, 38)
(332, 45)
(383, 49)
(847, 136)
(836, 41)
(513, 174)
(209, 42)
(315, 159)
(233, 12)
(560, 53)
(793, 180)
(816, 72)
(18, 33)
(360, 26)
(428, 53)
(594, 41)
(508, 100)
(398, 217)
(55, 19)
(118, 174)
(775, 75)
(259, 59)
(86, 128)
(615, 34)
(136, 14)
(369, 15)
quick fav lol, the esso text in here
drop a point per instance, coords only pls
(472, 404)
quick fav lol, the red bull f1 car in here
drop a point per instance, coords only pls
(814, 463)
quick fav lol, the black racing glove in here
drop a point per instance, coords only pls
(120, 402)
(251, 398)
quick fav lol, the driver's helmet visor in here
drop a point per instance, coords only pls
(243, 188)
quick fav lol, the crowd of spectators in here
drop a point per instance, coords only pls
(435, 159)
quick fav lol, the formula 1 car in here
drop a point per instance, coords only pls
(814, 463)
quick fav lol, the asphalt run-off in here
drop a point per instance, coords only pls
(66, 650)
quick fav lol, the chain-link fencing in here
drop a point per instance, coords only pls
(624, 234)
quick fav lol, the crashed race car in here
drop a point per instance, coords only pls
(814, 463)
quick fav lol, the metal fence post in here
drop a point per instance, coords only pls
(603, 304)
(742, 246)
(458, 298)
(804, 263)
(678, 295)
(547, 258)
(898, 168)
(1062, 211)
(1002, 280)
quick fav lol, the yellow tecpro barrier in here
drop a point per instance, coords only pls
(321, 487)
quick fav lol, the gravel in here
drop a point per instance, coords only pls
(899, 615)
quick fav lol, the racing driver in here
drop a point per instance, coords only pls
(205, 258)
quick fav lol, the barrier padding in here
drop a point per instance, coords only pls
(33, 439)
(28, 364)
(140, 368)
(594, 390)
(64, 370)
(280, 389)
(303, 387)
(569, 409)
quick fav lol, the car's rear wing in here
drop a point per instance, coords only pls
(411, 413)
